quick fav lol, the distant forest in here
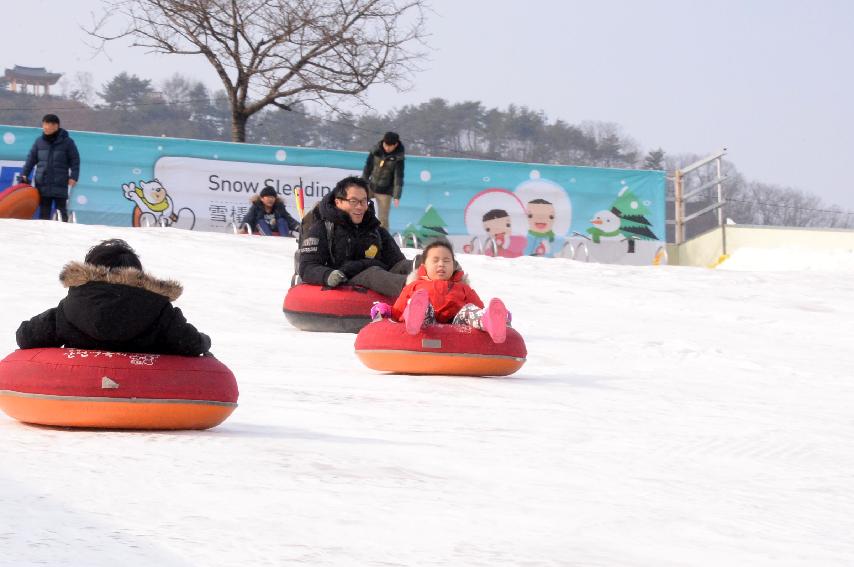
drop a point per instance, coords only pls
(182, 107)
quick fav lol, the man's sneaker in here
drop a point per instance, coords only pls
(415, 312)
(495, 321)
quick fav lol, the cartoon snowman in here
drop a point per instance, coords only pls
(606, 226)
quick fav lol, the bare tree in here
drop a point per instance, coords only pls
(177, 91)
(613, 148)
(278, 52)
(80, 87)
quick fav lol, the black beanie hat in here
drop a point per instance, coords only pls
(391, 138)
(268, 192)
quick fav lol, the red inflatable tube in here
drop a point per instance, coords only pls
(439, 349)
(343, 309)
(99, 389)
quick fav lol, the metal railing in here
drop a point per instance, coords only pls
(72, 216)
(681, 197)
(476, 246)
(581, 246)
(491, 243)
(238, 228)
(481, 246)
(402, 240)
(563, 251)
(570, 251)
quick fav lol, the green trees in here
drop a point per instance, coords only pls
(128, 92)
(654, 159)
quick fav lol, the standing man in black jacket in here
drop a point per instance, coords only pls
(57, 162)
(384, 174)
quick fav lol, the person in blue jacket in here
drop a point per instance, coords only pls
(268, 213)
(57, 161)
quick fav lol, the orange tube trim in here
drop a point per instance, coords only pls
(114, 413)
(451, 364)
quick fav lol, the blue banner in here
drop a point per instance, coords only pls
(515, 208)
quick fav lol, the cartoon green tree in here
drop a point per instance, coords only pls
(430, 225)
(633, 213)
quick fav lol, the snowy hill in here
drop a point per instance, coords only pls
(666, 416)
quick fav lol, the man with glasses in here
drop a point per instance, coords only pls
(346, 243)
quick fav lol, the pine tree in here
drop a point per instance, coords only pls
(632, 213)
(126, 91)
(430, 225)
(654, 159)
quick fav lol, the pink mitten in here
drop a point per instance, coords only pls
(380, 310)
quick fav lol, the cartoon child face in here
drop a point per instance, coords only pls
(154, 191)
(494, 227)
(541, 216)
(439, 263)
(498, 227)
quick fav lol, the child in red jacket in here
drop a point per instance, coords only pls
(441, 294)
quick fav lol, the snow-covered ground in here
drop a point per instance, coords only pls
(665, 416)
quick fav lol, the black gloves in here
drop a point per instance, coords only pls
(335, 278)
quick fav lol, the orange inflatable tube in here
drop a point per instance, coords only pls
(19, 202)
(453, 350)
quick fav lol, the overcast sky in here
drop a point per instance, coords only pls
(771, 80)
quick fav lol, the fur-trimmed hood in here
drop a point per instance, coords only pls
(75, 274)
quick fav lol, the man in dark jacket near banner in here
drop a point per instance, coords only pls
(360, 251)
(113, 305)
(384, 174)
(57, 161)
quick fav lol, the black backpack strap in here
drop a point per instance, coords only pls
(330, 227)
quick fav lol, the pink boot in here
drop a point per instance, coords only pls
(415, 312)
(494, 321)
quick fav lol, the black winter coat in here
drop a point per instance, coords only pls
(122, 310)
(58, 161)
(355, 247)
(255, 215)
(384, 172)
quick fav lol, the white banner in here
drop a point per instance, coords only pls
(206, 194)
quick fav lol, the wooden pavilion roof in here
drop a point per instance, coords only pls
(32, 74)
